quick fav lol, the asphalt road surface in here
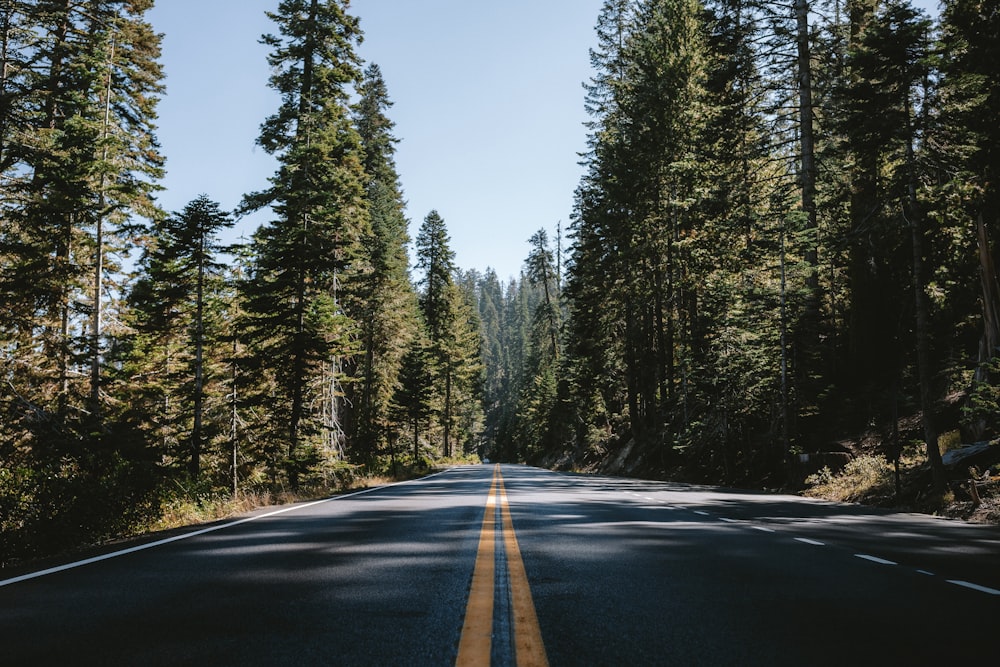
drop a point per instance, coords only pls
(515, 565)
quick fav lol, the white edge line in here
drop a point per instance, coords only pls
(196, 533)
(975, 587)
(806, 540)
(875, 559)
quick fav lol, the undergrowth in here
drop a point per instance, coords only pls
(861, 478)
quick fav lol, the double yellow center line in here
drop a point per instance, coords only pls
(477, 632)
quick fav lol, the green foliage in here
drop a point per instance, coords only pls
(983, 405)
(388, 312)
(454, 342)
(304, 297)
(61, 490)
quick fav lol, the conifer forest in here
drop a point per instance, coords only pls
(786, 235)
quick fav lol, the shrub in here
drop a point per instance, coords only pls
(862, 477)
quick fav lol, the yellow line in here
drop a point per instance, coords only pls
(475, 644)
(477, 630)
(530, 650)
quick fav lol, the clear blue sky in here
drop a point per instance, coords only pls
(488, 107)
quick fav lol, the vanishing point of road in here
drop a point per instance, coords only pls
(510, 565)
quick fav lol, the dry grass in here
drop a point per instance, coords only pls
(869, 479)
(184, 511)
(861, 478)
(181, 512)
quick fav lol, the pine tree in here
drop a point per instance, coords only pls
(172, 300)
(964, 143)
(389, 322)
(412, 399)
(83, 164)
(302, 301)
(496, 379)
(452, 326)
(541, 271)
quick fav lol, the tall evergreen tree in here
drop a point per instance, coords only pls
(389, 312)
(965, 144)
(310, 260)
(173, 297)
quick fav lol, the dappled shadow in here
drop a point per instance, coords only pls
(379, 578)
(641, 577)
(921, 541)
(622, 572)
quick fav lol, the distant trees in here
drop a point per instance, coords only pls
(453, 331)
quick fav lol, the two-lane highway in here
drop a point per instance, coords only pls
(613, 571)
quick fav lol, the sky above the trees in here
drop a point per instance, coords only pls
(489, 108)
(488, 105)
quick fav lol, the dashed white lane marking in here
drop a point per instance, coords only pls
(875, 559)
(975, 587)
(806, 540)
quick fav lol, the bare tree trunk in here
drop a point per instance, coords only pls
(447, 411)
(199, 374)
(990, 338)
(807, 144)
(922, 315)
(95, 330)
(7, 18)
(785, 437)
(234, 416)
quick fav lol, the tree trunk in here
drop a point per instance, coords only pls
(95, 331)
(807, 146)
(922, 316)
(299, 361)
(990, 339)
(234, 416)
(199, 347)
(447, 411)
(416, 440)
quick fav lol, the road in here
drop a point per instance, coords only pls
(603, 571)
